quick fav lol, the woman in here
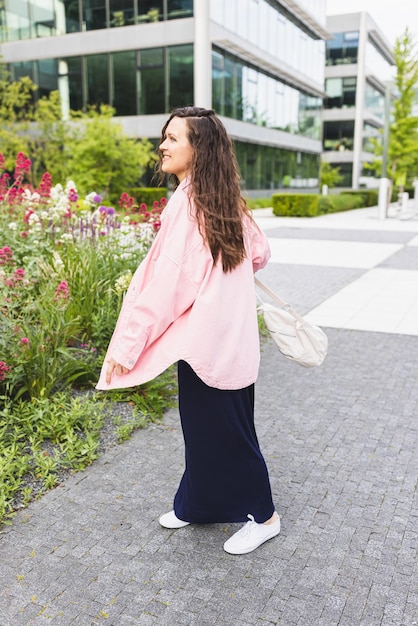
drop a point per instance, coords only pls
(192, 301)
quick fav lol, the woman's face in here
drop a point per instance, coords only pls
(176, 150)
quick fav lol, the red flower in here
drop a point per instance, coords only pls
(45, 185)
(22, 167)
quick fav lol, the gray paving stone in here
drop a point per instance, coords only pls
(340, 443)
(367, 236)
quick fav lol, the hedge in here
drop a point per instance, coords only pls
(295, 204)
(148, 195)
(310, 205)
(370, 197)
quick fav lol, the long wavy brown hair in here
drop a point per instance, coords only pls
(214, 177)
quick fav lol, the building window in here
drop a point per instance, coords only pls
(346, 171)
(151, 81)
(265, 24)
(150, 11)
(371, 136)
(374, 101)
(342, 48)
(124, 82)
(339, 135)
(377, 64)
(180, 76)
(98, 79)
(77, 97)
(94, 14)
(17, 23)
(341, 93)
(264, 167)
(46, 76)
(242, 92)
(177, 9)
(67, 17)
(121, 13)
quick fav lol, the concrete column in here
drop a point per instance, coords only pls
(202, 55)
(360, 94)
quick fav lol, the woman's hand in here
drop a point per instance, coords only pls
(114, 367)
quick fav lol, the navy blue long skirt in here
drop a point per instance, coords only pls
(226, 477)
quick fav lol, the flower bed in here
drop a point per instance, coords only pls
(65, 265)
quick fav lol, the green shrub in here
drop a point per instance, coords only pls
(310, 205)
(295, 204)
(148, 195)
(259, 203)
(369, 197)
(336, 204)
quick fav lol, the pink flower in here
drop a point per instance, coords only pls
(3, 370)
(27, 215)
(6, 256)
(72, 195)
(19, 274)
(24, 341)
(62, 292)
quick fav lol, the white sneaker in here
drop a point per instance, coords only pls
(170, 520)
(250, 536)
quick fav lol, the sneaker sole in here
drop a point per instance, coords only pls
(252, 548)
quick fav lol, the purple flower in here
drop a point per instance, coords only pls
(97, 198)
(110, 210)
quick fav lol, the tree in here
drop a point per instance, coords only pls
(402, 148)
(329, 175)
(103, 158)
(91, 148)
(403, 131)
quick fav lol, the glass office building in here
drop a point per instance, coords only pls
(359, 66)
(258, 63)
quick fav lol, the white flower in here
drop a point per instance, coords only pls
(12, 225)
(70, 185)
(122, 283)
(33, 219)
(57, 261)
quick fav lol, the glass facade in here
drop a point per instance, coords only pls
(150, 81)
(264, 167)
(374, 101)
(265, 25)
(377, 64)
(342, 48)
(346, 171)
(26, 19)
(242, 92)
(371, 132)
(134, 82)
(339, 135)
(341, 93)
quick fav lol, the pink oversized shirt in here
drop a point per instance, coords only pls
(180, 305)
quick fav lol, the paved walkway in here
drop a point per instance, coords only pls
(341, 444)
